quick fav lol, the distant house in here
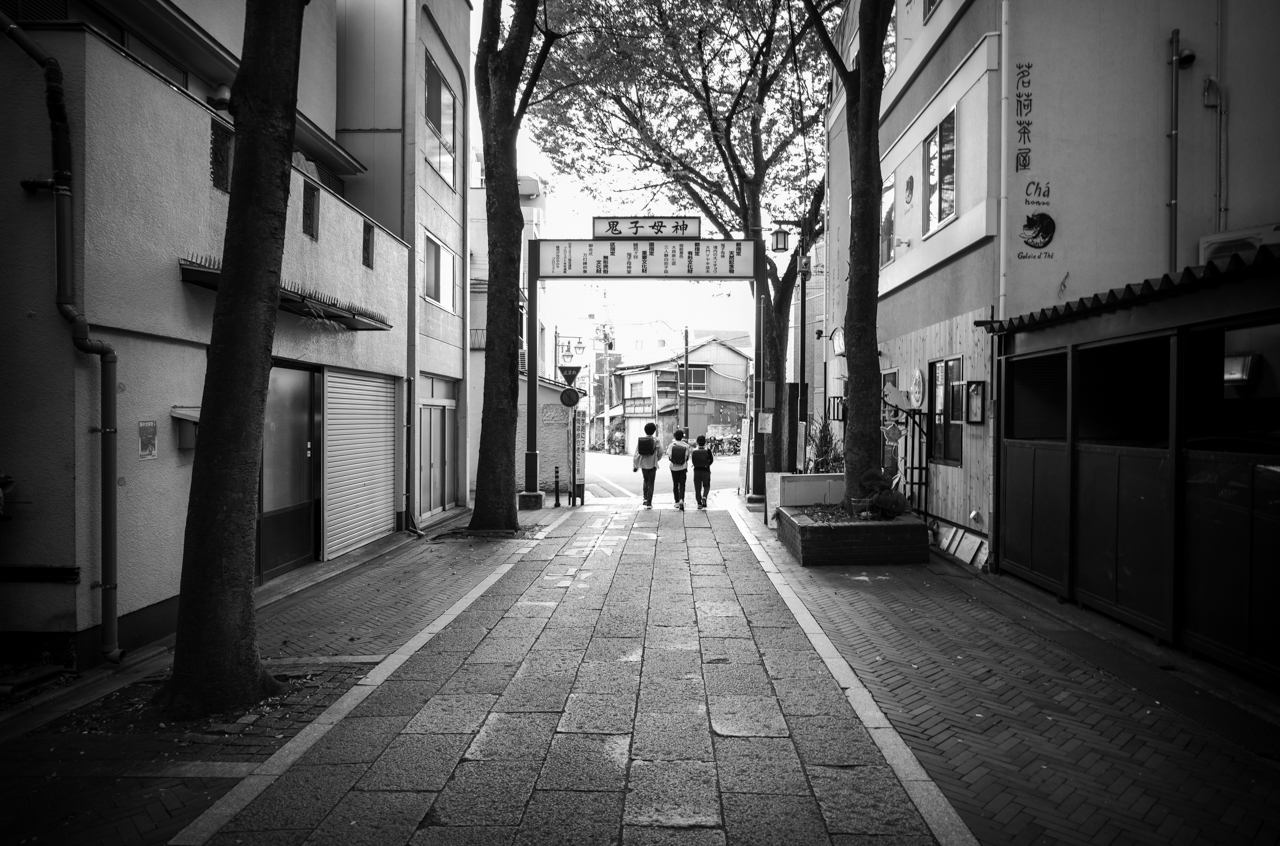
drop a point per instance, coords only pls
(653, 391)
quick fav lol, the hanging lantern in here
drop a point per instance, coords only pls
(780, 237)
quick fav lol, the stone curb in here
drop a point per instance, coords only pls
(943, 820)
(204, 827)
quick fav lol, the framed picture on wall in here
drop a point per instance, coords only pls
(975, 402)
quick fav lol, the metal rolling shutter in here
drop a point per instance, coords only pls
(359, 459)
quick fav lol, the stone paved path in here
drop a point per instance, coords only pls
(1014, 717)
(635, 677)
(89, 779)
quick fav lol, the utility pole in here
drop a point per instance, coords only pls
(686, 381)
(607, 336)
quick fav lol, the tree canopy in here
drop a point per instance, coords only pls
(716, 106)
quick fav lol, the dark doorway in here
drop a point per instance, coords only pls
(287, 522)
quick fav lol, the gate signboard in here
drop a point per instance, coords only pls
(646, 227)
(647, 259)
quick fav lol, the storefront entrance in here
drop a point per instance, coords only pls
(287, 519)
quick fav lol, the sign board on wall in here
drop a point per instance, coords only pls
(647, 259)
(146, 440)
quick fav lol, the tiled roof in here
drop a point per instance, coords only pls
(1222, 271)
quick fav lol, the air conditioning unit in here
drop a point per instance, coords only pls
(524, 360)
(1223, 244)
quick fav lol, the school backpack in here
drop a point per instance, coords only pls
(645, 446)
(701, 459)
(678, 453)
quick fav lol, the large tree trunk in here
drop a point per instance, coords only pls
(495, 505)
(499, 68)
(216, 665)
(862, 121)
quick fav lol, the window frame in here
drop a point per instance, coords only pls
(888, 187)
(890, 37)
(436, 261)
(930, 6)
(222, 145)
(367, 245)
(436, 85)
(946, 390)
(929, 187)
(311, 210)
(694, 371)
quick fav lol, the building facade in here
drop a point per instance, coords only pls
(654, 391)
(404, 83)
(152, 146)
(1036, 158)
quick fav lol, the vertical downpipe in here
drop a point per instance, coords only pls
(1179, 59)
(1005, 83)
(110, 570)
(60, 136)
(1173, 154)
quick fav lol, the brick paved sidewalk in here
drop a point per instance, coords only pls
(635, 677)
(112, 771)
(1036, 731)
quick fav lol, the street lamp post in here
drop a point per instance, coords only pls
(780, 246)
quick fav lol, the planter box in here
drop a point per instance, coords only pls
(901, 541)
(783, 489)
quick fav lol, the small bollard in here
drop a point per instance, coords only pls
(557, 486)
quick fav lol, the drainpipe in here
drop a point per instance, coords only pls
(1179, 59)
(1215, 97)
(61, 187)
(1005, 84)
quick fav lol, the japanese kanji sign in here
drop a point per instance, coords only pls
(646, 227)
(717, 259)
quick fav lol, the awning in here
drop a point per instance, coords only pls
(1238, 267)
(186, 412)
(205, 272)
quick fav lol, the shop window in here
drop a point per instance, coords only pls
(311, 210)
(1122, 394)
(886, 221)
(946, 411)
(366, 248)
(441, 120)
(1037, 398)
(888, 417)
(1230, 389)
(220, 146)
(940, 174)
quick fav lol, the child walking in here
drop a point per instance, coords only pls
(701, 459)
(645, 459)
(679, 455)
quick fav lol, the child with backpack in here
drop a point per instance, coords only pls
(678, 453)
(701, 458)
(645, 459)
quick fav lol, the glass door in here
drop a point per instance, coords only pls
(286, 501)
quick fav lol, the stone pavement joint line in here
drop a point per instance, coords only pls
(633, 677)
(207, 824)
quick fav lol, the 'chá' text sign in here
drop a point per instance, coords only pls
(714, 259)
